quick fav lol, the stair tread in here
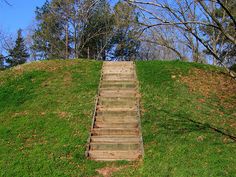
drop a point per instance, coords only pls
(96, 139)
(120, 155)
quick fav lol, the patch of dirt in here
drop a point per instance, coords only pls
(210, 83)
(18, 114)
(63, 114)
(107, 171)
(67, 79)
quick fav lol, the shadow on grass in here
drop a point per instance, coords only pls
(180, 123)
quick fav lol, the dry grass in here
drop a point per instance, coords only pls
(210, 83)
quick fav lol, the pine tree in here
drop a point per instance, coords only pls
(126, 32)
(18, 55)
(48, 36)
(1, 62)
(99, 28)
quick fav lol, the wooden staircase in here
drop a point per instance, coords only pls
(116, 130)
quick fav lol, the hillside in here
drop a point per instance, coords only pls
(188, 120)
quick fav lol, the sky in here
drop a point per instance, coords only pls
(19, 15)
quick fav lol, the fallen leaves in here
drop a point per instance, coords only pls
(210, 83)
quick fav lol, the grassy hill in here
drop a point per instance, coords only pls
(188, 120)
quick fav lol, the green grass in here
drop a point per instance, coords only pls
(46, 111)
(45, 114)
(178, 140)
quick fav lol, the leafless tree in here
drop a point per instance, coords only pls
(6, 41)
(189, 17)
(6, 2)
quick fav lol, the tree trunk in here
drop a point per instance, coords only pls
(67, 43)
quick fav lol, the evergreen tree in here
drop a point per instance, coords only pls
(48, 37)
(18, 55)
(99, 29)
(126, 39)
(1, 62)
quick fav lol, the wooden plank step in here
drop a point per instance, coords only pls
(129, 84)
(114, 155)
(122, 100)
(112, 64)
(118, 78)
(119, 71)
(118, 107)
(126, 120)
(116, 136)
(116, 113)
(117, 95)
(114, 104)
(118, 99)
(117, 86)
(114, 146)
(119, 74)
(119, 64)
(100, 139)
(119, 82)
(119, 89)
(115, 131)
(115, 125)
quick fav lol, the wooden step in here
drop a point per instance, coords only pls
(115, 125)
(119, 75)
(115, 131)
(115, 63)
(115, 104)
(116, 112)
(100, 139)
(101, 119)
(119, 91)
(119, 71)
(114, 155)
(120, 79)
(133, 99)
(115, 136)
(118, 84)
(118, 95)
(114, 146)
(117, 108)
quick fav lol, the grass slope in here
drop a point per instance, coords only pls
(45, 114)
(46, 110)
(176, 124)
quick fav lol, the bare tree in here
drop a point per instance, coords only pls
(6, 2)
(6, 42)
(200, 16)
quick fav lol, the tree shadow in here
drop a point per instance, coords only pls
(181, 123)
